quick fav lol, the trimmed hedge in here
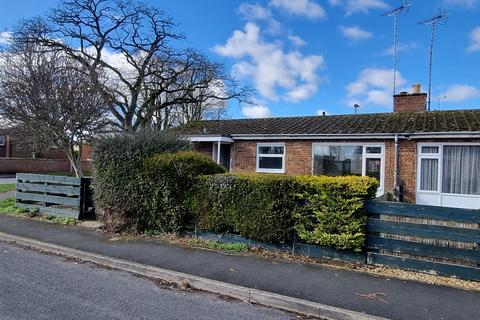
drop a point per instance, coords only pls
(255, 206)
(125, 181)
(168, 183)
(326, 211)
(333, 213)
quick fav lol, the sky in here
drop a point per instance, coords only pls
(305, 57)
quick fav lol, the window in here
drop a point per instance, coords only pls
(461, 172)
(271, 157)
(346, 159)
(2, 140)
(450, 169)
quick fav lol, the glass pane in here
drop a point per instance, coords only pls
(270, 163)
(337, 160)
(271, 150)
(374, 149)
(373, 168)
(429, 175)
(461, 169)
(429, 149)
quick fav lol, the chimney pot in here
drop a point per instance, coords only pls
(416, 88)
(414, 102)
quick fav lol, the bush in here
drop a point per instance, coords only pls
(119, 163)
(168, 183)
(326, 211)
(333, 214)
(255, 206)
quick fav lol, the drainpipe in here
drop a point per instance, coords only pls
(396, 190)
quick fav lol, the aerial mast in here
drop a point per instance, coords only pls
(401, 10)
(441, 19)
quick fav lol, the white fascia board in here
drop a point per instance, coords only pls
(209, 139)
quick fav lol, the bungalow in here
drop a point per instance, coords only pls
(424, 157)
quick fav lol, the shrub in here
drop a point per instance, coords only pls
(255, 206)
(326, 211)
(119, 162)
(332, 214)
(168, 181)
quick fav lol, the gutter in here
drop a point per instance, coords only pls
(384, 136)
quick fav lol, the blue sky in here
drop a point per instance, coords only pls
(309, 56)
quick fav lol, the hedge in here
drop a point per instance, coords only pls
(325, 211)
(123, 177)
(332, 214)
(168, 183)
(256, 206)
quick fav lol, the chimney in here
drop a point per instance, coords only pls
(410, 102)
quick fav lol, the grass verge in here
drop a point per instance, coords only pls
(7, 187)
(8, 207)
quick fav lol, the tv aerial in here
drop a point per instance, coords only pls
(401, 10)
(441, 18)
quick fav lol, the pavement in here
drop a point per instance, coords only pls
(6, 195)
(336, 287)
(39, 286)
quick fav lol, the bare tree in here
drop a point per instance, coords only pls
(48, 94)
(133, 44)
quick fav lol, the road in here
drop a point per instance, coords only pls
(40, 286)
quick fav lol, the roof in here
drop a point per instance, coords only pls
(375, 123)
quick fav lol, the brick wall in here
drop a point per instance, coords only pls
(204, 147)
(299, 160)
(405, 102)
(15, 165)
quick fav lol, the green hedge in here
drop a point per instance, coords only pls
(332, 213)
(256, 206)
(168, 183)
(326, 211)
(119, 170)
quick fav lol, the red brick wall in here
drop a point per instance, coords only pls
(405, 102)
(204, 147)
(15, 165)
(299, 160)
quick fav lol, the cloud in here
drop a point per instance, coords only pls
(270, 67)
(255, 12)
(401, 47)
(296, 40)
(474, 40)
(373, 86)
(305, 8)
(256, 111)
(462, 3)
(5, 37)
(355, 33)
(359, 6)
(460, 92)
(321, 112)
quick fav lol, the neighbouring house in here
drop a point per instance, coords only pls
(426, 157)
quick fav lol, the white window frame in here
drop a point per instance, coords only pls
(439, 156)
(365, 156)
(258, 155)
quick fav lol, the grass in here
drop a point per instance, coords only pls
(216, 245)
(7, 187)
(8, 207)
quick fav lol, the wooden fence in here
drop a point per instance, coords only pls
(439, 240)
(55, 195)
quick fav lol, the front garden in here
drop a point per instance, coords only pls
(152, 183)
